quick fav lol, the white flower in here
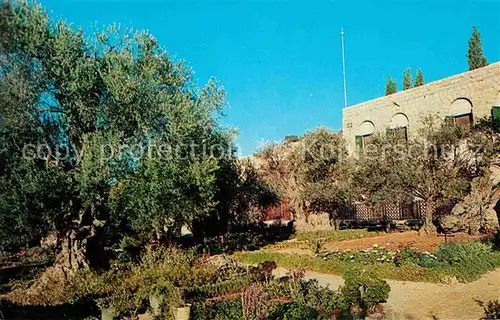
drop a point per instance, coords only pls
(375, 245)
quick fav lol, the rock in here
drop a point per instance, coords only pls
(495, 175)
(477, 212)
(490, 219)
(452, 223)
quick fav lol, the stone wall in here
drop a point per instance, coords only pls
(479, 88)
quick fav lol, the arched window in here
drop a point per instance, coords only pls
(399, 126)
(365, 131)
(461, 112)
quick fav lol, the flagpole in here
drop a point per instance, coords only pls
(343, 66)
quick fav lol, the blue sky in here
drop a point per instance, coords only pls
(280, 61)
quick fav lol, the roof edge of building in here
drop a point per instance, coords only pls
(403, 93)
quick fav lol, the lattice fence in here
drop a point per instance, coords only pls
(402, 211)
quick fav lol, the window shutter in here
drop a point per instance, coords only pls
(495, 112)
(359, 142)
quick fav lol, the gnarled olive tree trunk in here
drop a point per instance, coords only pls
(79, 247)
(428, 227)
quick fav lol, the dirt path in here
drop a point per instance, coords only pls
(419, 300)
(398, 240)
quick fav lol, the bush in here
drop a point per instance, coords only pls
(363, 290)
(468, 260)
(457, 252)
(293, 311)
(248, 237)
(220, 310)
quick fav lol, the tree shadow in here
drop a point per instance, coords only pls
(76, 311)
(247, 237)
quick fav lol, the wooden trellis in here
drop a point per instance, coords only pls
(401, 211)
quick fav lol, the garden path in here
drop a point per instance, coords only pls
(420, 300)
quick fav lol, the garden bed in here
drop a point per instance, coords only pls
(398, 240)
(464, 261)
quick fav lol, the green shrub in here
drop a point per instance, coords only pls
(364, 290)
(467, 261)
(457, 252)
(293, 311)
(220, 310)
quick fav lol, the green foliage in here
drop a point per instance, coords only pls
(310, 240)
(293, 311)
(364, 289)
(131, 146)
(458, 252)
(407, 79)
(468, 260)
(419, 79)
(323, 172)
(251, 236)
(407, 272)
(336, 235)
(475, 56)
(465, 261)
(223, 310)
(390, 86)
(393, 170)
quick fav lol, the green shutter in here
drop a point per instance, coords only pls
(495, 113)
(359, 142)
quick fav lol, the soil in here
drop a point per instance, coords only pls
(419, 300)
(395, 241)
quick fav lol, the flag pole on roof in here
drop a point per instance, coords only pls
(343, 66)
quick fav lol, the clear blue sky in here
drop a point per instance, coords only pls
(280, 61)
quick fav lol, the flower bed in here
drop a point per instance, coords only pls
(465, 261)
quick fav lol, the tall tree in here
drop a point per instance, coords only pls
(475, 56)
(407, 79)
(102, 139)
(419, 79)
(324, 174)
(390, 86)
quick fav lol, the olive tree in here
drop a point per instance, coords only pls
(101, 137)
(427, 167)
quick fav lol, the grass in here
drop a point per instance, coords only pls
(383, 270)
(465, 271)
(336, 235)
(307, 240)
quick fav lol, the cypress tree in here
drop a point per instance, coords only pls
(390, 86)
(419, 79)
(407, 79)
(475, 57)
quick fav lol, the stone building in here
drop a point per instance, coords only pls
(465, 97)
